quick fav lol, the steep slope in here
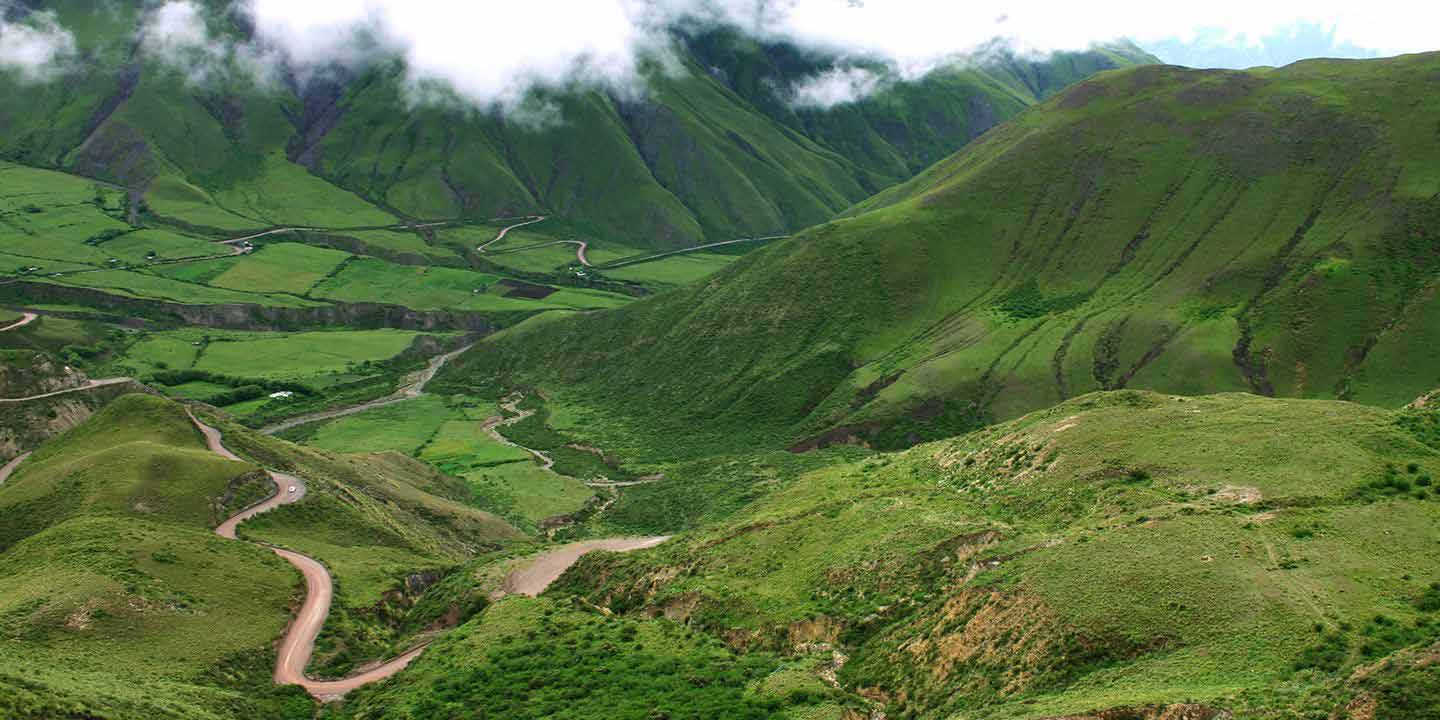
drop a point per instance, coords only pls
(1121, 550)
(691, 160)
(1187, 231)
(906, 126)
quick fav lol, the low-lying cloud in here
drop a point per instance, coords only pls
(837, 86)
(35, 47)
(494, 52)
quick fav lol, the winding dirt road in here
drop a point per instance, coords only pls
(25, 319)
(581, 248)
(414, 389)
(539, 573)
(91, 385)
(11, 466)
(298, 644)
(531, 220)
(492, 428)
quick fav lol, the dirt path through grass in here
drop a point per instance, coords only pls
(25, 319)
(506, 231)
(298, 644)
(492, 428)
(10, 467)
(415, 388)
(91, 385)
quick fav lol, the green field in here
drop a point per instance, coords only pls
(424, 288)
(503, 479)
(283, 268)
(402, 427)
(679, 270)
(295, 356)
(283, 193)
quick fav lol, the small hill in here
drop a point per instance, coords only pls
(1270, 558)
(1270, 231)
(120, 602)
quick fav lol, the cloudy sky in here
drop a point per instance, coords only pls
(493, 51)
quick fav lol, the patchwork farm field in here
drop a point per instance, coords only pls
(448, 434)
(67, 230)
(301, 356)
(280, 268)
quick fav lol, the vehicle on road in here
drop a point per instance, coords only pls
(292, 488)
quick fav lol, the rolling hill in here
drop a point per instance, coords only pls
(120, 602)
(1271, 231)
(696, 159)
(1120, 555)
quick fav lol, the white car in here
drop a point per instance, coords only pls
(292, 488)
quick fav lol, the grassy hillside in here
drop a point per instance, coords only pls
(1185, 231)
(694, 160)
(121, 603)
(1127, 549)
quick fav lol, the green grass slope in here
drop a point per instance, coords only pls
(1272, 558)
(1184, 231)
(119, 601)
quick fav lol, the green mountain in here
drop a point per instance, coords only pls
(1126, 554)
(698, 158)
(1270, 231)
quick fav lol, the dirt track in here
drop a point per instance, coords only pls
(538, 574)
(409, 392)
(25, 319)
(493, 425)
(298, 644)
(506, 231)
(87, 386)
(11, 466)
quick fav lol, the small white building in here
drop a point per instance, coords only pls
(282, 395)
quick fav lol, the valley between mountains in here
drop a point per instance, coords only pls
(1063, 386)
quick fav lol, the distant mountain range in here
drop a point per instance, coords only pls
(716, 150)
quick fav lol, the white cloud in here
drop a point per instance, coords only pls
(492, 52)
(35, 47)
(836, 87)
(178, 33)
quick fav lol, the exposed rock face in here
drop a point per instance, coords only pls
(24, 426)
(42, 374)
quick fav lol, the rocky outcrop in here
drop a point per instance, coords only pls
(360, 316)
(24, 426)
(24, 375)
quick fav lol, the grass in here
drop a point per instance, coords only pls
(305, 356)
(1155, 264)
(679, 270)
(526, 658)
(1119, 550)
(282, 268)
(113, 581)
(526, 492)
(427, 288)
(499, 478)
(403, 427)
